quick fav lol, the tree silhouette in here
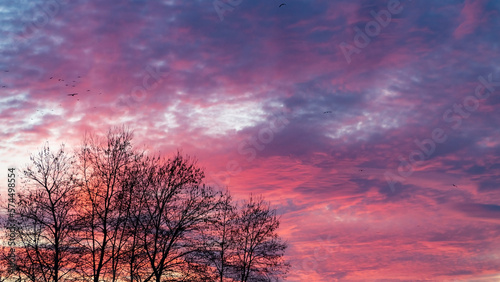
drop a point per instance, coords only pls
(104, 212)
(46, 213)
(242, 244)
(175, 210)
(259, 251)
(219, 244)
(112, 213)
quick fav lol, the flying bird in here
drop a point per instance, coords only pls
(328, 112)
(455, 185)
(282, 4)
(73, 94)
(51, 77)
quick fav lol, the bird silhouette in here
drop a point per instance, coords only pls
(360, 170)
(72, 94)
(282, 4)
(51, 77)
(328, 112)
(455, 185)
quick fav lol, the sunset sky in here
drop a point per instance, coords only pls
(372, 126)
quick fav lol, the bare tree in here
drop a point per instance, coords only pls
(242, 244)
(104, 206)
(140, 215)
(219, 244)
(259, 250)
(175, 212)
(47, 213)
(135, 258)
